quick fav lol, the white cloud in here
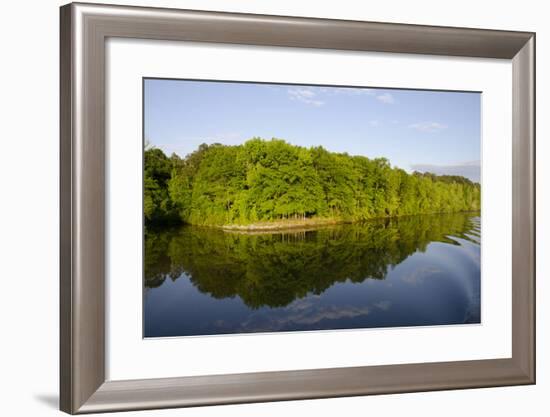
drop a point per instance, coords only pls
(317, 96)
(305, 95)
(419, 275)
(349, 91)
(307, 314)
(383, 305)
(374, 123)
(385, 98)
(428, 126)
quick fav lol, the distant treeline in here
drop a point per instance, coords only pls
(273, 180)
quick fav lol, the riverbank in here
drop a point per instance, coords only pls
(282, 225)
(310, 223)
(297, 224)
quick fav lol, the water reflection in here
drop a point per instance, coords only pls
(420, 270)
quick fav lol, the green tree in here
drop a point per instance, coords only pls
(273, 180)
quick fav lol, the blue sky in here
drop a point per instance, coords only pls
(432, 131)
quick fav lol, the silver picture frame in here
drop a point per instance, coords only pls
(83, 34)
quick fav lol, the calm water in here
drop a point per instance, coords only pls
(418, 270)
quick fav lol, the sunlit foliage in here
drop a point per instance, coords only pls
(263, 181)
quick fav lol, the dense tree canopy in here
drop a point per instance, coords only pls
(262, 181)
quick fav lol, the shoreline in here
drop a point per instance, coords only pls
(301, 224)
(266, 227)
(310, 224)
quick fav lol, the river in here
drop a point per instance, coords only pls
(408, 271)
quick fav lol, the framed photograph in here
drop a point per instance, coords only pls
(262, 208)
(245, 234)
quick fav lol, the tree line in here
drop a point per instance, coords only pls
(272, 180)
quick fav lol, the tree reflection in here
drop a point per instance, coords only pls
(277, 268)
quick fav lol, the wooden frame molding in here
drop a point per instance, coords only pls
(84, 30)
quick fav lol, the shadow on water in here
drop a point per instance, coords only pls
(418, 270)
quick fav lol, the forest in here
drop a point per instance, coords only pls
(274, 181)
